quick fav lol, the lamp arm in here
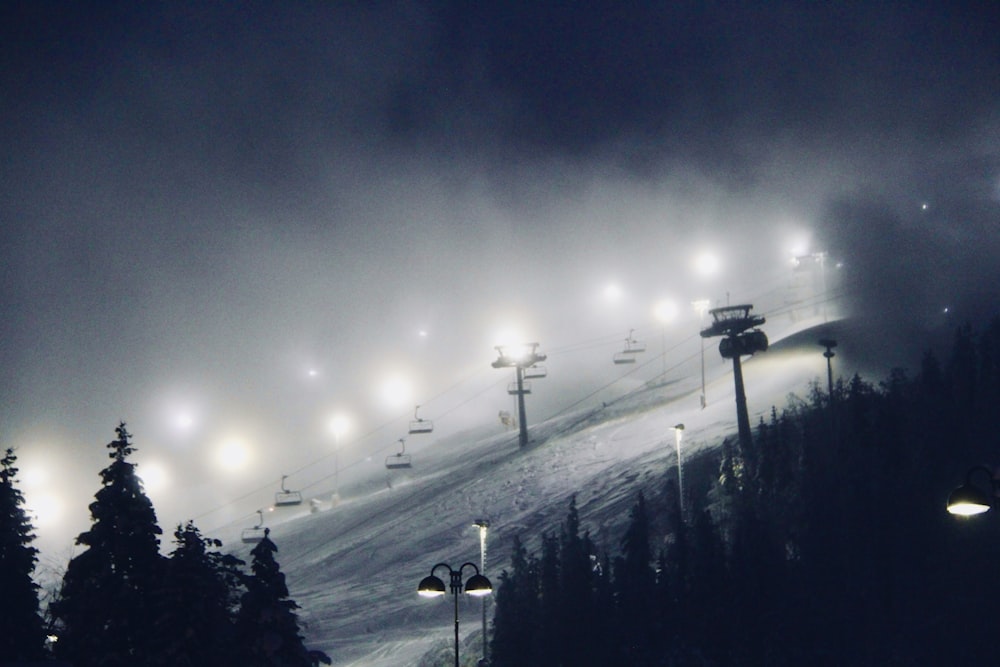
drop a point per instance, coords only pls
(994, 482)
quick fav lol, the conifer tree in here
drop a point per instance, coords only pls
(198, 602)
(105, 612)
(635, 587)
(516, 612)
(22, 635)
(267, 626)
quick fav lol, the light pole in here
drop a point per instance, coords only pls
(477, 585)
(483, 526)
(829, 344)
(339, 425)
(678, 432)
(701, 307)
(666, 312)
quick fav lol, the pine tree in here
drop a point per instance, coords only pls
(106, 607)
(22, 635)
(198, 602)
(635, 587)
(516, 612)
(267, 626)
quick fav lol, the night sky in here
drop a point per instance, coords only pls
(230, 220)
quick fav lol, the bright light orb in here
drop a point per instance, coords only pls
(396, 392)
(232, 455)
(184, 421)
(665, 311)
(339, 425)
(613, 293)
(312, 372)
(46, 508)
(706, 264)
(154, 476)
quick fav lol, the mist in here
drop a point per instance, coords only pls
(230, 223)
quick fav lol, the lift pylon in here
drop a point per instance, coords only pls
(519, 358)
(740, 337)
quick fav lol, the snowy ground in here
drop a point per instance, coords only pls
(354, 566)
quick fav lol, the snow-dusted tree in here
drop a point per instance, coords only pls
(22, 636)
(105, 611)
(267, 626)
(197, 603)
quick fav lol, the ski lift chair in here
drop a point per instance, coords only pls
(535, 372)
(419, 425)
(400, 459)
(633, 346)
(285, 497)
(255, 534)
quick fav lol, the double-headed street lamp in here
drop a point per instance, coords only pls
(477, 585)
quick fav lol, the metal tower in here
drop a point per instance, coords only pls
(733, 323)
(519, 358)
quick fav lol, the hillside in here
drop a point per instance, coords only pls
(354, 567)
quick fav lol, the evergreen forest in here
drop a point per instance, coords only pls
(124, 604)
(824, 543)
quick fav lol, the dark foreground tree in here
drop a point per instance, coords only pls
(267, 626)
(22, 636)
(199, 596)
(105, 611)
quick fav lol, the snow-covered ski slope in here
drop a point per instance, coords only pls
(354, 566)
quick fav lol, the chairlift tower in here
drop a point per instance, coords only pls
(519, 358)
(740, 336)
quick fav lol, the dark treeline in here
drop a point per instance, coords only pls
(825, 543)
(123, 604)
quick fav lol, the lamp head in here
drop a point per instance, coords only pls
(431, 587)
(968, 500)
(478, 585)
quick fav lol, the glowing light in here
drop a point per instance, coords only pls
(924, 206)
(154, 476)
(232, 455)
(665, 311)
(396, 391)
(701, 307)
(706, 264)
(46, 508)
(312, 372)
(184, 421)
(613, 293)
(508, 339)
(339, 425)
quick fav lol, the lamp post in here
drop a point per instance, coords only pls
(339, 425)
(483, 525)
(701, 307)
(678, 432)
(969, 499)
(477, 585)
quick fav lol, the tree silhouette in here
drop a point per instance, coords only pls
(105, 612)
(267, 626)
(197, 603)
(22, 635)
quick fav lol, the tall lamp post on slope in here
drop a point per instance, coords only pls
(477, 585)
